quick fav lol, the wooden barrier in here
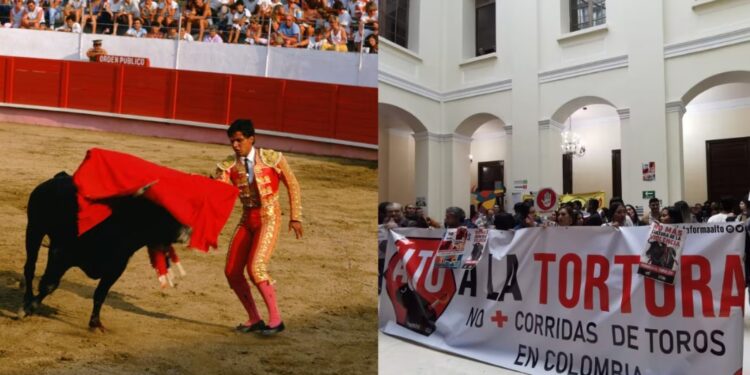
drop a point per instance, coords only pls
(338, 112)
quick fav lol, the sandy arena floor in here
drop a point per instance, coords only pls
(326, 282)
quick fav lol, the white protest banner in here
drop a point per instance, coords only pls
(570, 301)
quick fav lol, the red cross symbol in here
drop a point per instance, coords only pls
(499, 318)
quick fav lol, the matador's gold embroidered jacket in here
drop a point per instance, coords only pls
(270, 168)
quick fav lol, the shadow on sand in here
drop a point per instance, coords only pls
(12, 289)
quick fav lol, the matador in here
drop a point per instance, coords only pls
(257, 173)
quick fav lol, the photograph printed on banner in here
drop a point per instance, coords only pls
(451, 249)
(473, 253)
(661, 255)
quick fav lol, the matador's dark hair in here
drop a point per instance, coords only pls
(244, 126)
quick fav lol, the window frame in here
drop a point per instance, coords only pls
(391, 29)
(590, 9)
(480, 5)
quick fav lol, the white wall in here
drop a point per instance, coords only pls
(593, 171)
(297, 64)
(700, 126)
(685, 22)
(643, 63)
(490, 147)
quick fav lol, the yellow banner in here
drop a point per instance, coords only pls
(583, 198)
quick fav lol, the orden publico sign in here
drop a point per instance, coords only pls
(127, 60)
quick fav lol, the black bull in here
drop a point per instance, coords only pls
(102, 252)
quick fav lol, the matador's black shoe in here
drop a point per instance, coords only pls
(256, 327)
(270, 331)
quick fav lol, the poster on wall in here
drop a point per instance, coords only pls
(649, 171)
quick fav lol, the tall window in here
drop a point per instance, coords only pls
(394, 21)
(485, 27)
(587, 13)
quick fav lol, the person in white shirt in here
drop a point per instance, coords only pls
(137, 31)
(724, 214)
(184, 35)
(148, 10)
(70, 25)
(237, 22)
(34, 17)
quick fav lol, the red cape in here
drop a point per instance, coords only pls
(195, 201)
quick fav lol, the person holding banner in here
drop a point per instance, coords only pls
(617, 216)
(670, 215)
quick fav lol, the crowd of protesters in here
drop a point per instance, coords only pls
(340, 25)
(617, 214)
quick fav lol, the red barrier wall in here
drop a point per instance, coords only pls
(339, 112)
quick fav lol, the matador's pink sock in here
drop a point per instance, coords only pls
(269, 296)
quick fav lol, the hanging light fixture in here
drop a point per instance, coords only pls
(571, 142)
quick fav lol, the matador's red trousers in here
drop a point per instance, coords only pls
(251, 248)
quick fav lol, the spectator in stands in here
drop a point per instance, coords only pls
(654, 211)
(17, 14)
(238, 21)
(184, 35)
(289, 32)
(670, 215)
(317, 42)
(94, 52)
(55, 14)
(254, 33)
(219, 11)
(76, 8)
(337, 36)
(341, 12)
(34, 16)
(250, 5)
(213, 36)
(70, 25)
(633, 214)
(128, 12)
(155, 32)
(5, 7)
(197, 12)
(98, 13)
(264, 8)
(168, 15)
(149, 10)
(310, 17)
(137, 30)
(292, 7)
(371, 44)
(118, 13)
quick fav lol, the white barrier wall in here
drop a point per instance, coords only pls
(296, 64)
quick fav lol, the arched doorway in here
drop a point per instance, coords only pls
(482, 157)
(716, 138)
(596, 164)
(397, 156)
